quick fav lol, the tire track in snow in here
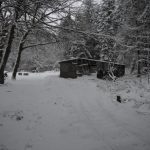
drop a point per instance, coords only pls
(88, 107)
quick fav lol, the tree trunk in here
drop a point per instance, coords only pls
(133, 65)
(20, 49)
(6, 53)
(148, 65)
(16, 66)
(139, 65)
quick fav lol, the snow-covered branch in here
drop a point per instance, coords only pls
(42, 44)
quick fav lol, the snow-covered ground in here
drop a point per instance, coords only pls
(34, 76)
(45, 112)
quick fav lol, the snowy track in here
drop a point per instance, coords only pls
(66, 114)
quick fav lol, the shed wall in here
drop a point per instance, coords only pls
(67, 70)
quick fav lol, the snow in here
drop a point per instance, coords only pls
(34, 76)
(44, 112)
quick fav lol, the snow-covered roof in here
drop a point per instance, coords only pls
(74, 59)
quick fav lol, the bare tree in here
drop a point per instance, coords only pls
(13, 14)
(42, 13)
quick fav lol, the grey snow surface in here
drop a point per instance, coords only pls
(51, 113)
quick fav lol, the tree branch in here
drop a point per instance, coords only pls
(42, 44)
(91, 34)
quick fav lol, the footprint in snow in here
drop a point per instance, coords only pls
(3, 147)
(28, 147)
(8, 91)
(15, 115)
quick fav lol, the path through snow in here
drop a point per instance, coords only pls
(67, 114)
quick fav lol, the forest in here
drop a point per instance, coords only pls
(37, 34)
(74, 74)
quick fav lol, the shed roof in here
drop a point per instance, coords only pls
(73, 59)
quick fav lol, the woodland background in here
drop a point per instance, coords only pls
(35, 35)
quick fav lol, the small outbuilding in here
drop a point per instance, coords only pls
(72, 68)
(105, 68)
(68, 69)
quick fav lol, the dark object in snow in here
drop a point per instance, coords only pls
(5, 75)
(18, 118)
(26, 74)
(15, 115)
(19, 73)
(118, 98)
(23, 73)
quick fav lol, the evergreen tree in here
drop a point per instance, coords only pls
(105, 24)
(135, 31)
(66, 35)
(84, 21)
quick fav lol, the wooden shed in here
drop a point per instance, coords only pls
(68, 69)
(72, 68)
(105, 67)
